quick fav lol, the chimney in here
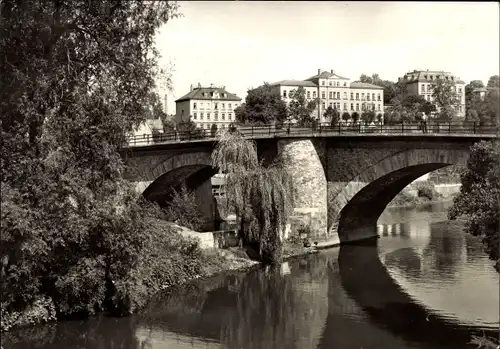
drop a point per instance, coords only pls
(199, 85)
(319, 71)
(191, 87)
(211, 85)
(332, 71)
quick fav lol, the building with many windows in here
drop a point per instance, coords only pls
(335, 91)
(207, 106)
(420, 82)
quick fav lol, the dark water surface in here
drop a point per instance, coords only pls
(423, 284)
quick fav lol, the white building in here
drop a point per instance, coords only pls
(143, 134)
(207, 106)
(335, 91)
(420, 83)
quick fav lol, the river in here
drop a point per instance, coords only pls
(423, 284)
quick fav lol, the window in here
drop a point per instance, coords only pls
(223, 106)
(211, 94)
(357, 106)
(423, 88)
(331, 104)
(338, 83)
(338, 106)
(201, 116)
(223, 116)
(194, 105)
(323, 105)
(338, 95)
(373, 96)
(195, 116)
(378, 97)
(363, 107)
(229, 105)
(323, 95)
(308, 94)
(216, 106)
(459, 90)
(345, 95)
(314, 94)
(352, 106)
(323, 83)
(229, 116)
(345, 106)
(284, 93)
(331, 95)
(330, 83)
(345, 84)
(367, 96)
(216, 116)
(357, 96)
(362, 96)
(208, 116)
(352, 96)
(378, 107)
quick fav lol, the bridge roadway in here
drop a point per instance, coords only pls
(443, 129)
(344, 177)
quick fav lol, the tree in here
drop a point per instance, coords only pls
(355, 117)
(184, 209)
(479, 198)
(346, 116)
(332, 114)
(392, 116)
(80, 76)
(469, 89)
(263, 105)
(472, 116)
(300, 109)
(368, 116)
(261, 197)
(494, 81)
(446, 98)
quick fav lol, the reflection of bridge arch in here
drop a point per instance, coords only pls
(368, 283)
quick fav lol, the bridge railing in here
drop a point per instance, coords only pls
(339, 129)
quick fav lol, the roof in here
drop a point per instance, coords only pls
(326, 75)
(205, 93)
(359, 84)
(294, 83)
(425, 76)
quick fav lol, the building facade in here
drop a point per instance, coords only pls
(207, 106)
(420, 83)
(335, 91)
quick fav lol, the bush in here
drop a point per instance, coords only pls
(167, 259)
(184, 209)
(404, 198)
(427, 190)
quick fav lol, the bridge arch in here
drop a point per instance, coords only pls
(164, 175)
(362, 200)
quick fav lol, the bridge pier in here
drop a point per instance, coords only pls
(301, 159)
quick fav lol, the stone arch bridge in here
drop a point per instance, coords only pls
(342, 183)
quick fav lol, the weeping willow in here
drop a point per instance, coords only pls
(261, 197)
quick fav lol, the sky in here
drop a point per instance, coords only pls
(241, 44)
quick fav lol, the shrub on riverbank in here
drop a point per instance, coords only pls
(427, 191)
(184, 209)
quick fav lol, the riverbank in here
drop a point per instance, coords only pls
(419, 201)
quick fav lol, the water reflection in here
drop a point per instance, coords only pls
(406, 290)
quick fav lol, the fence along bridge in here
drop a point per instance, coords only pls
(454, 129)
